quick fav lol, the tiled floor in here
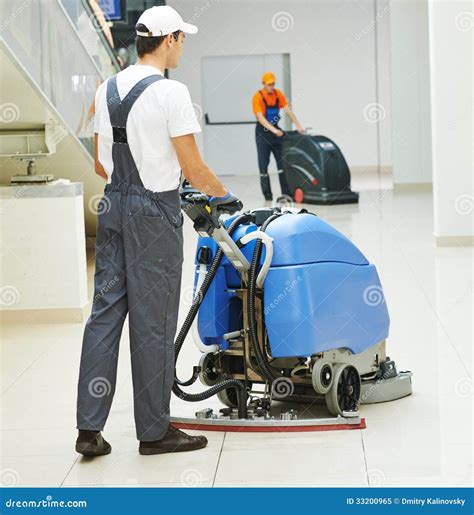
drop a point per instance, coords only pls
(425, 439)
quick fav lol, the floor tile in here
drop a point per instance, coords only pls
(34, 470)
(195, 468)
(422, 440)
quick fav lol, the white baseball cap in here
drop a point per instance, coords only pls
(162, 20)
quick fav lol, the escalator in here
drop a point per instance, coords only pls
(53, 56)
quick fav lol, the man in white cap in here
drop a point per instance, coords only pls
(144, 137)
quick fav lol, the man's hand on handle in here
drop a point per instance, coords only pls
(229, 203)
(300, 129)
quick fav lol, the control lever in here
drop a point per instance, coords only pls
(196, 206)
(206, 222)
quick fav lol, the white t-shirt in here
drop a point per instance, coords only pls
(163, 111)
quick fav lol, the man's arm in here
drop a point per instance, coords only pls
(99, 169)
(194, 168)
(293, 118)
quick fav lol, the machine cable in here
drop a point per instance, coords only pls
(265, 368)
(228, 383)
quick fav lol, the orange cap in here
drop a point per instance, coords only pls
(268, 78)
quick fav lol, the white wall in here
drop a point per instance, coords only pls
(411, 124)
(332, 52)
(451, 57)
(231, 149)
(383, 66)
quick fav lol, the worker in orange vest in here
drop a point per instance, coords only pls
(267, 103)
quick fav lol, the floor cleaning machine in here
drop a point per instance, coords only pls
(288, 309)
(316, 170)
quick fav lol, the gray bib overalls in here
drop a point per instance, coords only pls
(139, 255)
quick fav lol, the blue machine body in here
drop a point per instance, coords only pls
(320, 293)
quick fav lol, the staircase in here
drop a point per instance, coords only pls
(53, 56)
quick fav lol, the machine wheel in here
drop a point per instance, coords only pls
(344, 394)
(209, 375)
(228, 396)
(322, 376)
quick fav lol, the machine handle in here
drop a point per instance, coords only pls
(206, 223)
(208, 122)
(196, 206)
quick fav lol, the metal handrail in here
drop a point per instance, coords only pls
(104, 41)
(208, 122)
(110, 50)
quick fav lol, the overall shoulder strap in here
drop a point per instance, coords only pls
(263, 98)
(277, 102)
(137, 90)
(119, 109)
(113, 102)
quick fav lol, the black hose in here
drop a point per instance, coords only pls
(228, 383)
(265, 369)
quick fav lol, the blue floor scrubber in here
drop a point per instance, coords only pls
(289, 309)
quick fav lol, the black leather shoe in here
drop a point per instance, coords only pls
(92, 443)
(268, 197)
(174, 441)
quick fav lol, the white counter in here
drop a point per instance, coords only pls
(43, 267)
